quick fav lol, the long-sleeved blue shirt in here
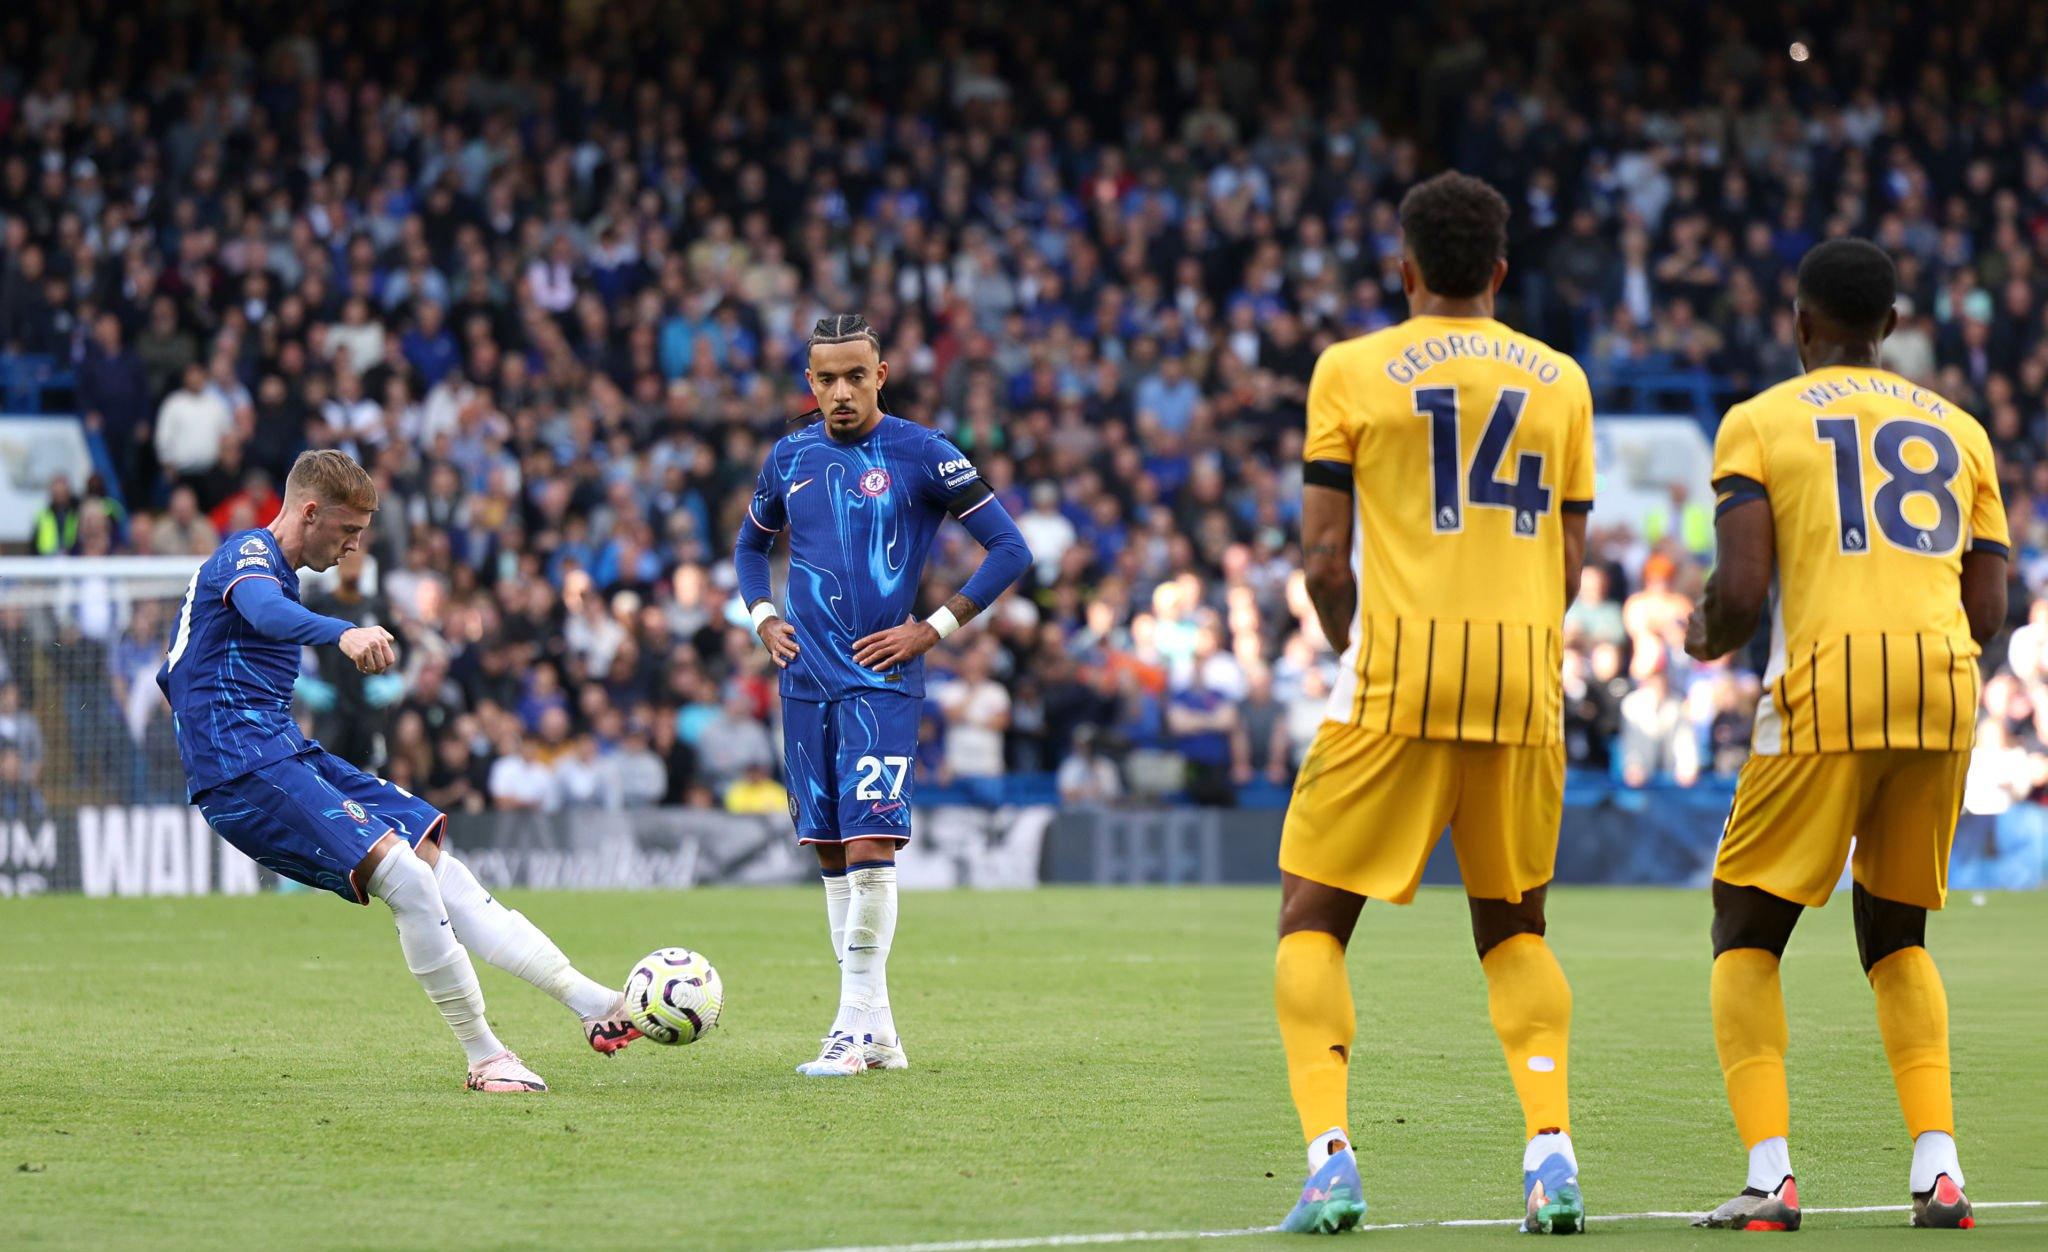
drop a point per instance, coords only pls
(861, 517)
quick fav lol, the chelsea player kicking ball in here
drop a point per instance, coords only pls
(674, 996)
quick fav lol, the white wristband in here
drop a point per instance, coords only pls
(943, 621)
(763, 610)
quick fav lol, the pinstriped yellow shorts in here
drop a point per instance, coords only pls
(1790, 827)
(1369, 807)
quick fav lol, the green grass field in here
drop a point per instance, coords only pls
(263, 1072)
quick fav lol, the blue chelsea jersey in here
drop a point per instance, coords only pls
(230, 688)
(861, 517)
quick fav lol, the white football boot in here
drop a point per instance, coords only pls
(886, 1055)
(503, 1072)
(841, 1057)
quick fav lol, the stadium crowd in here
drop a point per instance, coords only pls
(547, 269)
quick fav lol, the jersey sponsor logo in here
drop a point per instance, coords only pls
(796, 487)
(874, 482)
(356, 811)
(954, 466)
(253, 546)
(253, 562)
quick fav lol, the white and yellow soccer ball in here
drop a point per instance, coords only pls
(674, 996)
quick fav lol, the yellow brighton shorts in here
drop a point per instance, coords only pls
(1369, 807)
(1794, 816)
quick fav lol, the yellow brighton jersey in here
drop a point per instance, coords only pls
(1466, 442)
(1876, 488)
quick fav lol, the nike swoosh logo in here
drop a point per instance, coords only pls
(800, 486)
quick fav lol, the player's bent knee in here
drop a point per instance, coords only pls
(1885, 926)
(401, 879)
(1494, 922)
(1750, 917)
(367, 867)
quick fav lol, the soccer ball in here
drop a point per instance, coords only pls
(674, 996)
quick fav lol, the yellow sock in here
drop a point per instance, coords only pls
(1912, 1015)
(1312, 994)
(1531, 1006)
(1750, 1035)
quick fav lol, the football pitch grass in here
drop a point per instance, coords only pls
(262, 1072)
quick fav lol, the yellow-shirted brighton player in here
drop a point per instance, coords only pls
(1872, 504)
(1449, 473)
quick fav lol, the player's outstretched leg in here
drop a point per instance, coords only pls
(1312, 998)
(404, 882)
(1751, 927)
(1912, 1015)
(1531, 1006)
(506, 939)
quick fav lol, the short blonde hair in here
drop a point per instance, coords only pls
(332, 477)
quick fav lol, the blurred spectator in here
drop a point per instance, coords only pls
(56, 523)
(977, 711)
(21, 800)
(756, 792)
(643, 778)
(733, 740)
(459, 781)
(1086, 777)
(1655, 616)
(1594, 618)
(21, 732)
(115, 399)
(191, 425)
(588, 780)
(1047, 532)
(1258, 742)
(1656, 738)
(182, 530)
(521, 778)
(1202, 721)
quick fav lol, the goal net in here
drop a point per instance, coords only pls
(82, 722)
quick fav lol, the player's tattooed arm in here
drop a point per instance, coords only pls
(886, 649)
(962, 608)
(1745, 545)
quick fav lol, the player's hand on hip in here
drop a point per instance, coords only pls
(886, 649)
(370, 647)
(780, 638)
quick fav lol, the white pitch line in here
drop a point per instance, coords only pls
(1162, 1236)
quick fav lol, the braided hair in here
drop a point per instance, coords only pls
(840, 328)
(843, 328)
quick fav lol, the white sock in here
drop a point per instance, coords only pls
(403, 881)
(1769, 1163)
(864, 973)
(504, 938)
(1934, 1154)
(1550, 1143)
(1327, 1145)
(838, 896)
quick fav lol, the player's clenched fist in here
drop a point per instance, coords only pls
(780, 638)
(370, 647)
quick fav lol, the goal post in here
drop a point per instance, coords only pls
(81, 719)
